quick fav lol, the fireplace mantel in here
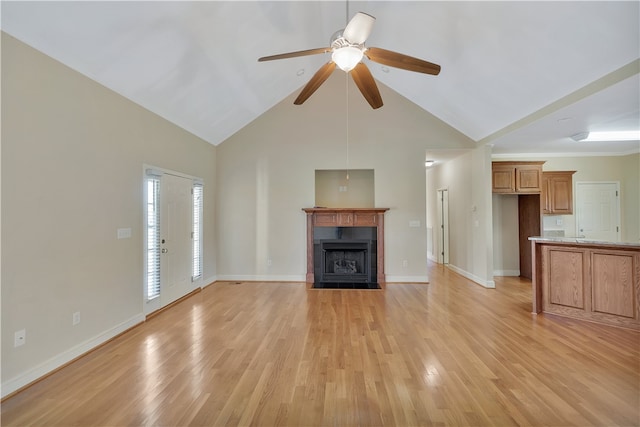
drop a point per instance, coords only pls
(346, 217)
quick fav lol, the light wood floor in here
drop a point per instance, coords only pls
(446, 353)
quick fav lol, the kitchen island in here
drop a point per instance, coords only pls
(585, 279)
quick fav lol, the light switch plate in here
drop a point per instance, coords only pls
(414, 224)
(124, 233)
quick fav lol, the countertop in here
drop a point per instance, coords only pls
(580, 240)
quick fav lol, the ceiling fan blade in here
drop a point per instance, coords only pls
(359, 28)
(294, 54)
(318, 78)
(367, 85)
(398, 60)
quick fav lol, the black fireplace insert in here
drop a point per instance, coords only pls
(345, 258)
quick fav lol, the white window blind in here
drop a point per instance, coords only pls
(153, 237)
(196, 234)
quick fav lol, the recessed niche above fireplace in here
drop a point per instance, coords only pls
(333, 188)
(345, 247)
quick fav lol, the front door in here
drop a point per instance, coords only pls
(175, 235)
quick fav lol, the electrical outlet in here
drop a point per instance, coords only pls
(269, 262)
(405, 263)
(76, 318)
(20, 338)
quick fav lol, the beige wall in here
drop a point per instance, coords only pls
(624, 169)
(72, 174)
(468, 181)
(266, 176)
(506, 242)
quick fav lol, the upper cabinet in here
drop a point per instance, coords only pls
(557, 193)
(517, 177)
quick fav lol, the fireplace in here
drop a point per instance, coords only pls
(345, 247)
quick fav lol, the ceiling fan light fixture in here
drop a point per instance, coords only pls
(347, 57)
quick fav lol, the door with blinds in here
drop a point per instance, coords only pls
(173, 238)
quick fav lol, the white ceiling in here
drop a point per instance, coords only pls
(523, 76)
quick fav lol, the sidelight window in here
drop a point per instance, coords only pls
(153, 237)
(196, 234)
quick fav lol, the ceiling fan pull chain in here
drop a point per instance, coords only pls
(346, 79)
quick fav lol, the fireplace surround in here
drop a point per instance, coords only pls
(345, 247)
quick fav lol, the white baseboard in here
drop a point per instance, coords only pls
(510, 273)
(261, 278)
(486, 283)
(67, 356)
(208, 281)
(432, 257)
(406, 279)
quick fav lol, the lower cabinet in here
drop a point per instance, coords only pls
(592, 284)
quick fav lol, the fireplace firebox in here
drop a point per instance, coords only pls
(345, 261)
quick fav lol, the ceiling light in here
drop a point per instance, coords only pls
(626, 135)
(580, 136)
(429, 163)
(347, 57)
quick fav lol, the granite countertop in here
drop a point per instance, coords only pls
(581, 240)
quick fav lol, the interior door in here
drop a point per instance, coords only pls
(598, 210)
(443, 226)
(175, 235)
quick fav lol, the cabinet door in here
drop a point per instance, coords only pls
(557, 192)
(528, 178)
(545, 196)
(503, 178)
(561, 195)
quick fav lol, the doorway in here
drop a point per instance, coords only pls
(443, 226)
(598, 211)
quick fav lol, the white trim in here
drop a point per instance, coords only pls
(406, 279)
(208, 281)
(486, 283)
(568, 154)
(261, 278)
(509, 273)
(67, 356)
(159, 170)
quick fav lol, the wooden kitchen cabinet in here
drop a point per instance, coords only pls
(557, 193)
(516, 177)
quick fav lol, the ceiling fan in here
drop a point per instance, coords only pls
(347, 50)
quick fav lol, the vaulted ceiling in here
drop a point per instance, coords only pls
(523, 76)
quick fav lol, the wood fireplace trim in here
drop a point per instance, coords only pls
(346, 217)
